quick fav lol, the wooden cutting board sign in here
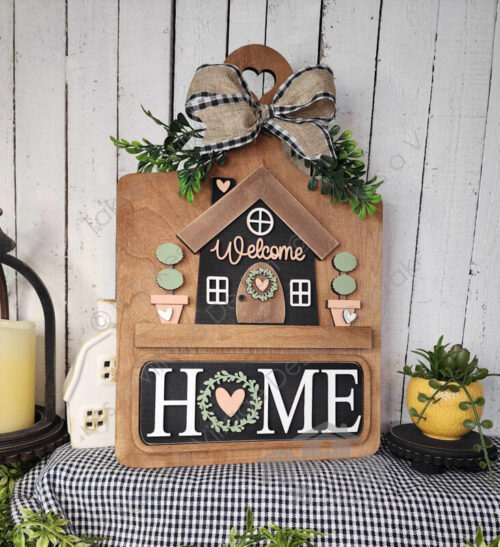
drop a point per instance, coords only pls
(262, 360)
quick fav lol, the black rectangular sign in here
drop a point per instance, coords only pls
(197, 402)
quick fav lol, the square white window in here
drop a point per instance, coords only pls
(300, 293)
(107, 369)
(217, 289)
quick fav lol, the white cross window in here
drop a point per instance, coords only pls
(260, 221)
(95, 420)
(300, 293)
(217, 289)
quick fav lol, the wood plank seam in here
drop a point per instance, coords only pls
(403, 386)
(480, 176)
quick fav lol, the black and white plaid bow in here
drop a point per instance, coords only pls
(299, 113)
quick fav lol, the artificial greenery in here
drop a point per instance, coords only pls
(272, 535)
(9, 475)
(343, 178)
(37, 529)
(40, 529)
(205, 404)
(452, 370)
(192, 165)
(479, 540)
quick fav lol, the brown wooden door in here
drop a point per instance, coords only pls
(260, 299)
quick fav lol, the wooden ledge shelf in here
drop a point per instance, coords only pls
(152, 335)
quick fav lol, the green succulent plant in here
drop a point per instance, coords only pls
(442, 364)
(452, 370)
(169, 278)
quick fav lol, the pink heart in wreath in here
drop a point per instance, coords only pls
(262, 283)
(229, 403)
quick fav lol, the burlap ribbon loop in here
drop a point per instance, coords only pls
(299, 113)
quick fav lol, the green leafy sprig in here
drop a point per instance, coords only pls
(272, 535)
(192, 165)
(45, 530)
(342, 178)
(453, 370)
(479, 540)
(9, 475)
(37, 529)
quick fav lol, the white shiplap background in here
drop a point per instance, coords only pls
(418, 82)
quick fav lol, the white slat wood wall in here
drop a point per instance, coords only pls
(417, 82)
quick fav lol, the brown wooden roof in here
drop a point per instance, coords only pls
(261, 184)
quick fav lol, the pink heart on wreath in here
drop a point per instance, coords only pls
(229, 403)
(262, 283)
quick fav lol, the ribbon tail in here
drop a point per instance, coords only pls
(307, 139)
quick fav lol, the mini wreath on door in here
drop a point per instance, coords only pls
(205, 397)
(273, 284)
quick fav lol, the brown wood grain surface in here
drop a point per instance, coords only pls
(149, 456)
(262, 59)
(150, 212)
(157, 335)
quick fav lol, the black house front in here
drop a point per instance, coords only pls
(257, 263)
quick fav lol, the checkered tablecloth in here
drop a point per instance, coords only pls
(375, 501)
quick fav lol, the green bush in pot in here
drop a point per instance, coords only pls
(444, 385)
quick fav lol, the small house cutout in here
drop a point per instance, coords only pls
(90, 387)
(258, 247)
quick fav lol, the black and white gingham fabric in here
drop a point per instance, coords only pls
(268, 115)
(375, 501)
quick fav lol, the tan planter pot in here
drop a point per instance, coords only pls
(169, 306)
(342, 310)
(444, 419)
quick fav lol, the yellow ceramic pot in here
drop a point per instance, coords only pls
(444, 418)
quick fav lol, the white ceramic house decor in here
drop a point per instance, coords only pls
(90, 387)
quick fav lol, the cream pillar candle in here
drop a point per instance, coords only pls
(17, 375)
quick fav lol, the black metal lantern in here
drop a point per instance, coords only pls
(49, 430)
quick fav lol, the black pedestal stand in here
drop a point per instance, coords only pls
(34, 442)
(431, 456)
